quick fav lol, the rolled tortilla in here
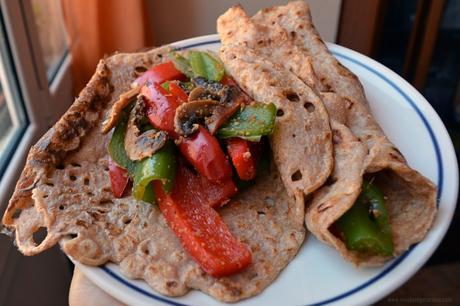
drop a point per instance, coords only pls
(286, 36)
(302, 141)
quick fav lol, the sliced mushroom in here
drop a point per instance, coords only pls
(211, 86)
(117, 108)
(203, 108)
(189, 115)
(141, 145)
(201, 93)
(231, 99)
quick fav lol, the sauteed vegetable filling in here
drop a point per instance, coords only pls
(365, 227)
(186, 136)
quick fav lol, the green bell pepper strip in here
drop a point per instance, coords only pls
(198, 64)
(365, 227)
(165, 85)
(181, 63)
(205, 65)
(250, 123)
(116, 146)
(160, 166)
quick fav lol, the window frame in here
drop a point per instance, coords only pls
(43, 100)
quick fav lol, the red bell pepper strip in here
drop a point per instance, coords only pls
(203, 151)
(178, 92)
(242, 158)
(161, 107)
(119, 179)
(204, 191)
(200, 229)
(160, 73)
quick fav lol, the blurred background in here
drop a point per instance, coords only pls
(49, 50)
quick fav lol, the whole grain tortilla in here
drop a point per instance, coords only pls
(65, 190)
(301, 143)
(411, 198)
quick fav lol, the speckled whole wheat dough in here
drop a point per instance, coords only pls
(64, 188)
(302, 141)
(411, 198)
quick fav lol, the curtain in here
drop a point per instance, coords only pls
(100, 27)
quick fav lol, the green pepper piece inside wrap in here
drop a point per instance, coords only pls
(198, 64)
(160, 166)
(116, 146)
(182, 64)
(205, 65)
(250, 123)
(365, 227)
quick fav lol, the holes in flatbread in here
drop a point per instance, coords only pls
(126, 220)
(76, 165)
(293, 135)
(106, 168)
(171, 284)
(49, 183)
(72, 236)
(279, 112)
(45, 196)
(292, 96)
(261, 213)
(72, 177)
(296, 176)
(17, 213)
(40, 235)
(105, 201)
(61, 207)
(293, 34)
(90, 194)
(60, 166)
(86, 181)
(138, 70)
(309, 107)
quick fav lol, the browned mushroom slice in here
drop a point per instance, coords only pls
(189, 115)
(141, 145)
(201, 93)
(117, 108)
(231, 99)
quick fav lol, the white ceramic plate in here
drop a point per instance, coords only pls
(318, 275)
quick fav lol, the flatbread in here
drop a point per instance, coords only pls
(301, 143)
(65, 190)
(411, 198)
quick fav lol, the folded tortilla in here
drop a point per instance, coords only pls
(65, 190)
(302, 141)
(285, 35)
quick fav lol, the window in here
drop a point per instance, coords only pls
(12, 115)
(35, 80)
(51, 33)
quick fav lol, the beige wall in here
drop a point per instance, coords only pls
(173, 20)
